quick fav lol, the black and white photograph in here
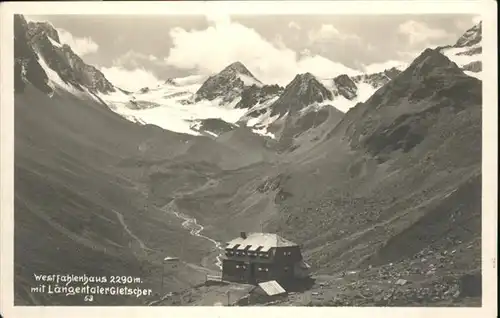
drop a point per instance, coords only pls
(225, 158)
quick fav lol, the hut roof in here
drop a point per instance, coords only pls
(272, 288)
(259, 242)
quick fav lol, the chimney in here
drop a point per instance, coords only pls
(243, 235)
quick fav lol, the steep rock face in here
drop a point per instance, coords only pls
(228, 84)
(44, 27)
(254, 95)
(26, 66)
(61, 58)
(302, 91)
(345, 86)
(471, 37)
(87, 75)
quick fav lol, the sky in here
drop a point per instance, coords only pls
(138, 51)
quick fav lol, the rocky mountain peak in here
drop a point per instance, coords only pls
(227, 84)
(236, 67)
(303, 90)
(429, 73)
(431, 62)
(471, 37)
(38, 28)
(304, 77)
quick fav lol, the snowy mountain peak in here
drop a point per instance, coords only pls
(237, 67)
(471, 37)
(301, 82)
(227, 84)
(304, 90)
(304, 77)
(239, 71)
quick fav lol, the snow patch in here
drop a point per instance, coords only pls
(263, 132)
(249, 81)
(211, 133)
(473, 74)
(54, 43)
(55, 81)
(171, 114)
(261, 123)
(315, 106)
(343, 104)
(328, 83)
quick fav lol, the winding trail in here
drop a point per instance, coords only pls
(195, 229)
(129, 232)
